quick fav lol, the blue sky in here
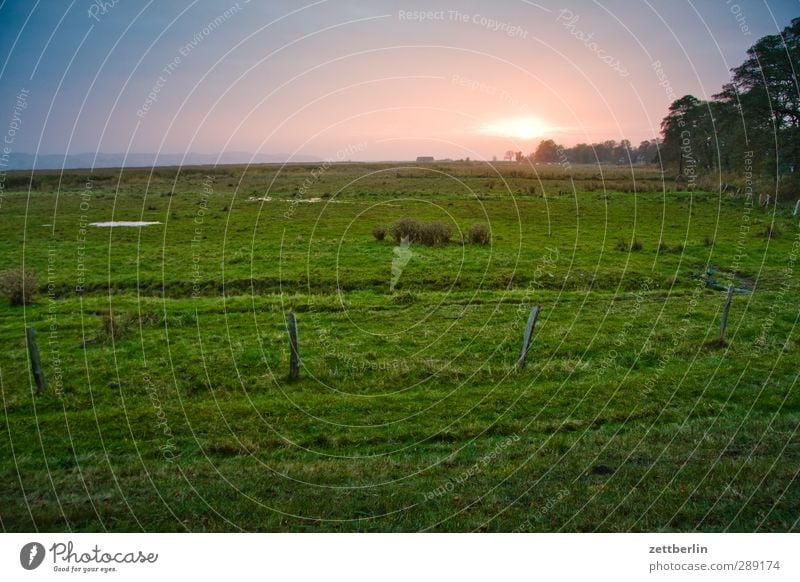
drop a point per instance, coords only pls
(317, 77)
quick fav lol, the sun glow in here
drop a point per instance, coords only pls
(523, 128)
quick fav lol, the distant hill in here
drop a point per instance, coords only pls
(147, 160)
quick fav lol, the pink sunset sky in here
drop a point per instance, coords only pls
(387, 80)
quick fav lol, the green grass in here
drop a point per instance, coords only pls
(409, 414)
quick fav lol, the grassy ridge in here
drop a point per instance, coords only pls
(409, 414)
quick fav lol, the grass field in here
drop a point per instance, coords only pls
(165, 347)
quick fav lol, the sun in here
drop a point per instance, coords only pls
(524, 128)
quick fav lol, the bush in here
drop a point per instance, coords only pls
(675, 249)
(427, 233)
(443, 233)
(114, 327)
(623, 247)
(771, 231)
(379, 232)
(405, 228)
(434, 233)
(479, 234)
(403, 298)
(19, 286)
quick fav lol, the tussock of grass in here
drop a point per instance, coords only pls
(19, 286)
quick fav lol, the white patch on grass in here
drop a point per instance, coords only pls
(130, 223)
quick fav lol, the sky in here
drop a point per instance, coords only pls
(366, 80)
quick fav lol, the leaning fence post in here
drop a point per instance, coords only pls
(796, 207)
(526, 339)
(36, 363)
(294, 359)
(724, 323)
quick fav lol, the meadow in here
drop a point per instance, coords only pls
(165, 347)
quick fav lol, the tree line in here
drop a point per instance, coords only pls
(750, 128)
(606, 152)
(751, 125)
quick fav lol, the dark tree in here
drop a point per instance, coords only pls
(546, 152)
(763, 94)
(677, 128)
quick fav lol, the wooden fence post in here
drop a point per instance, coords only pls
(36, 363)
(294, 358)
(526, 338)
(725, 309)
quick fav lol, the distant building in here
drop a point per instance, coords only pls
(424, 159)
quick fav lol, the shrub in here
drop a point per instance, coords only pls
(113, 326)
(622, 246)
(444, 233)
(665, 248)
(19, 286)
(405, 227)
(771, 231)
(379, 232)
(434, 233)
(403, 298)
(479, 234)
(427, 233)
